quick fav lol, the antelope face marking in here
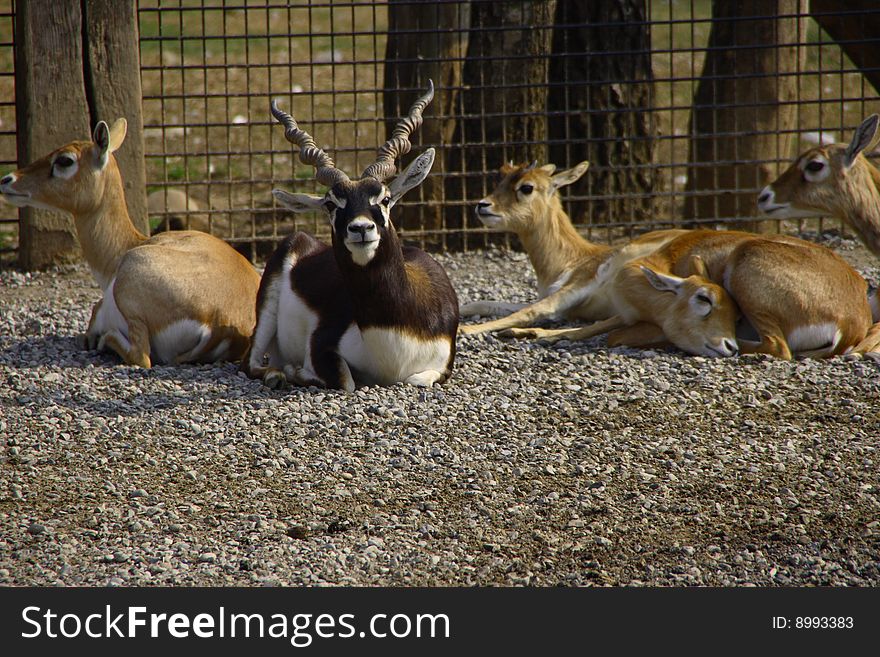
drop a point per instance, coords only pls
(822, 179)
(360, 216)
(7, 189)
(702, 316)
(71, 178)
(799, 192)
(525, 195)
(706, 326)
(486, 214)
(42, 184)
(510, 205)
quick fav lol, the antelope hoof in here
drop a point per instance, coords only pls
(304, 377)
(469, 329)
(424, 379)
(274, 379)
(518, 333)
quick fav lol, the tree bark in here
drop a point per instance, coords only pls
(426, 40)
(49, 99)
(855, 33)
(114, 88)
(739, 114)
(504, 97)
(95, 76)
(600, 106)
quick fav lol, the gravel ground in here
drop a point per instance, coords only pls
(572, 464)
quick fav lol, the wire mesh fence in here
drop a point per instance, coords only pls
(685, 108)
(8, 158)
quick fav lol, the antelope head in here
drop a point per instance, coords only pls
(700, 316)
(823, 180)
(526, 195)
(70, 178)
(359, 210)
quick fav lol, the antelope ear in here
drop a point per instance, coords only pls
(101, 137)
(117, 134)
(865, 138)
(698, 267)
(662, 282)
(414, 174)
(299, 202)
(568, 176)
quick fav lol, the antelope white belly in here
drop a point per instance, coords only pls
(386, 356)
(108, 316)
(817, 336)
(296, 322)
(185, 336)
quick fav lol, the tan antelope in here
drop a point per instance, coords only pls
(364, 310)
(579, 280)
(571, 271)
(836, 180)
(178, 297)
(798, 298)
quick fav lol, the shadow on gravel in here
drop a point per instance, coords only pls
(40, 370)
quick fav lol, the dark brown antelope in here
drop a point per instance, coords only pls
(366, 309)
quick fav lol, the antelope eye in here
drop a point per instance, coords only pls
(329, 206)
(63, 161)
(815, 166)
(386, 201)
(704, 298)
(527, 189)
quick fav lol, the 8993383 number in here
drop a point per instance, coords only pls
(823, 622)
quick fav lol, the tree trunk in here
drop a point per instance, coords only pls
(426, 40)
(504, 97)
(50, 110)
(95, 76)
(855, 33)
(602, 85)
(740, 115)
(113, 86)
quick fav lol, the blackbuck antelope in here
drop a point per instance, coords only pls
(796, 297)
(366, 309)
(178, 297)
(572, 272)
(836, 180)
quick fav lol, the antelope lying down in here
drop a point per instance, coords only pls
(798, 296)
(365, 309)
(836, 180)
(570, 270)
(181, 296)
